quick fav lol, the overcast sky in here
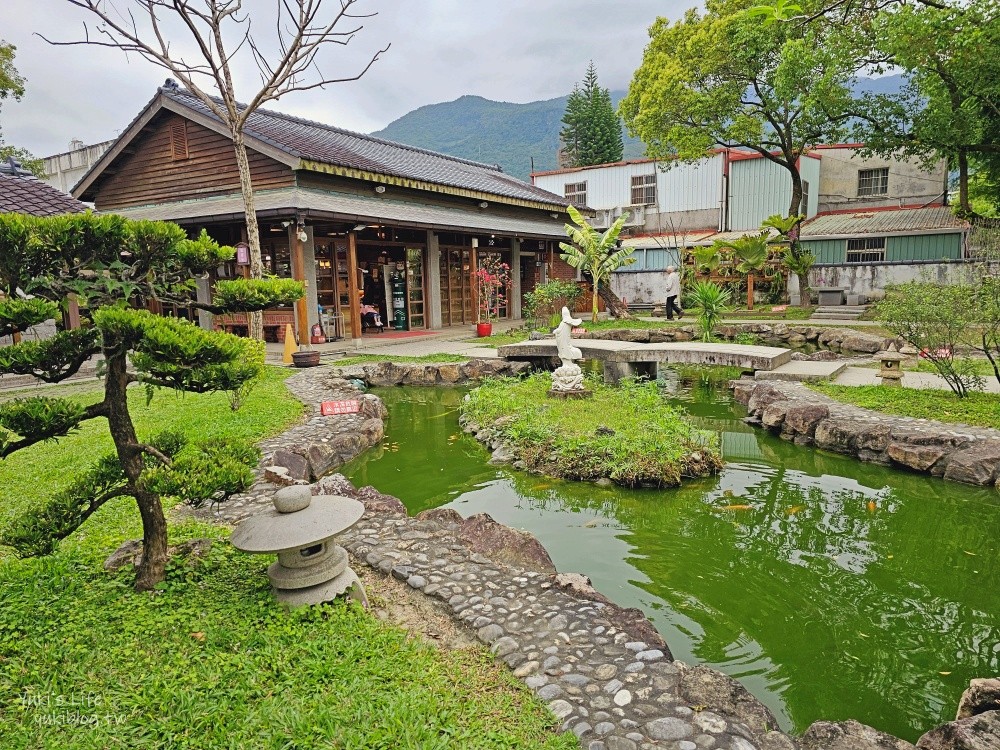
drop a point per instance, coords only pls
(507, 50)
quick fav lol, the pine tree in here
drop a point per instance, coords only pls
(592, 132)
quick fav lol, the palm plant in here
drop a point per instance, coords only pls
(711, 302)
(708, 258)
(794, 258)
(750, 255)
(594, 252)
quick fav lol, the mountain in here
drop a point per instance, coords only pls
(517, 135)
(503, 133)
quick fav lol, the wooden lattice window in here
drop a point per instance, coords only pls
(866, 250)
(644, 189)
(576, 193)
(178, 140)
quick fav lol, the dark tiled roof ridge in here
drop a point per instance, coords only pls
(175, 93)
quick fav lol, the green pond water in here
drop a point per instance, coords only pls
(832, 589)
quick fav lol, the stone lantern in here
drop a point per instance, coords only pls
(890, 365)
(300, 529)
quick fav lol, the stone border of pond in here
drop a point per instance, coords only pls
(953, 451)
(604, 671)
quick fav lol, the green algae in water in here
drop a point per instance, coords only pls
(832, 589)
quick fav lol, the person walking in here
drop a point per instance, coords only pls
(673, 294)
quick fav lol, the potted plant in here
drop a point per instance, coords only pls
(492, 281)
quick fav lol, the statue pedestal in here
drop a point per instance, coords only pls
(553, 393)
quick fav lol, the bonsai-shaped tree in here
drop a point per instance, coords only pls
(749, 253)
(795, 259)
(115, 268)
(595, 252)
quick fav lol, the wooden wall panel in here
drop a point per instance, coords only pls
(150, 174)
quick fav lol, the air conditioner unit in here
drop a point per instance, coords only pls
(636, 216)
(603, 219)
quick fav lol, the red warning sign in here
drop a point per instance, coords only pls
(329, 408)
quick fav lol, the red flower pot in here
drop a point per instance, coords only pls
(484, 329)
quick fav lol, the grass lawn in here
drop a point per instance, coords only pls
(366, 359)
(628, 433)
(210, 660)
(979, 409)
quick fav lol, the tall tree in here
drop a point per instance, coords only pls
(220, 39)
(726, 79)
(12, 87)
(950, 106)
(592, 132)
(116, 268)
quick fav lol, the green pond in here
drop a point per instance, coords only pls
(832, 589)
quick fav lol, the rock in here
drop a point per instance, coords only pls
(823, 356)
(278, 475)
(849, 735)
(777, 741)
(292, 499)
(863, 342)
(669, 728)
(514, 547)
(449, 373)
(979, 732)
(378, 504)
(372, 431)
(501, 456)
(443, 516)
(849, 436)
(129, 553)
(977, 464)
(982, 695)
(762, 396)
(707, 687)
(372, 407)
(774, 414)
(297, 465)
(802, 419)
(921, 458)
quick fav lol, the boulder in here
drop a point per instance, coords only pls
(802, 419)
(851, 436)
(372, 407)
(129, 553)
(702, 686)
(450, 373)
(979, 732)
(863, 342)
(372, 431)
(374, 501)
(774, 414)
(822, 356)
(762, 396)
(919, 457)
(849, 735)
(324, 457)
(417, 374)
(383, 374)
(981, 696)
(296, 465)
(513, 547)
(443, 516)
(977, 464)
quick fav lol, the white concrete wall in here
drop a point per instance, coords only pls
(64, 170)
(870, 280)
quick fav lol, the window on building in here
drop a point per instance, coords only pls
(866, 250)
(873, 181)
(644, 190)
(576, 193)
(804, 206)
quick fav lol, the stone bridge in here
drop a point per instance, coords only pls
(625, 358)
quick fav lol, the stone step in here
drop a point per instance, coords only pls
(842, 308)
(834, 316)
(803, 371)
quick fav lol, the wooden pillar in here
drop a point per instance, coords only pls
(72, 317)
(749, 291)
(352, 284)
(299, 274)
(474, 286)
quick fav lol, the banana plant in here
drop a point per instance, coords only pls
(794, 258)
(595, 252)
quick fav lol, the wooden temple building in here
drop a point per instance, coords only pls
(356, 218)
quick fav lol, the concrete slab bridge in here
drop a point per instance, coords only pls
(626, 358)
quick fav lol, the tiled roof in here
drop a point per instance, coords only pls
(888, 221)
(351, 207)
(313, 141)
(25, 194)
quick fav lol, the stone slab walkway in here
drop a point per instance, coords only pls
(803, 371)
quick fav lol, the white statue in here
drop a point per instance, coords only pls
(568, 377)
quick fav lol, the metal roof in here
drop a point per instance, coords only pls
(934, 220)
(318, 204)
(652, 241)
(315, 142)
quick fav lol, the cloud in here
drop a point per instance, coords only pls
(516, 50)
